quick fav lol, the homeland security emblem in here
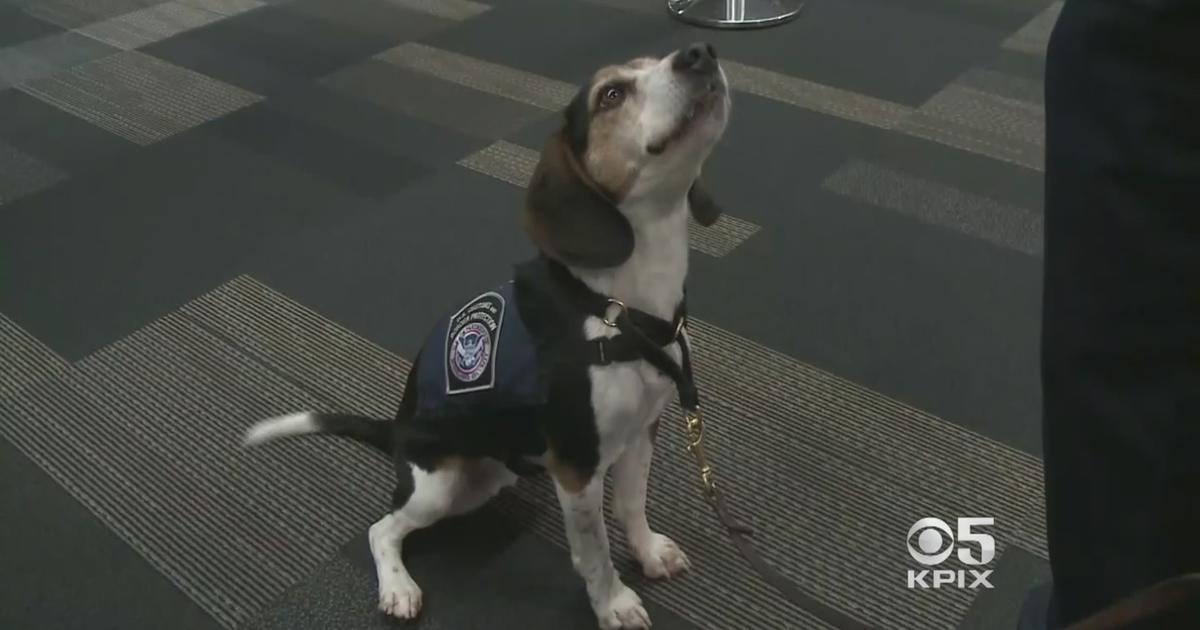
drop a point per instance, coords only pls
(471, 343)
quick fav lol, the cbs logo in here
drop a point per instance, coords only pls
(931, 541)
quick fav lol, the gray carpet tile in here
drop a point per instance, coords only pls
(138, 97)
(1034, 36)
(44, 56)
(1004, 85)
(77, 13)
(807, 94)
(973, 120)
(520, 86)
(342, 369)
(224, 7)
(505, 161)
(65, 50)
(138, 28)
(938, 204)
(24, 359)
(147, 434)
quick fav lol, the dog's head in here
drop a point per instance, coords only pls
(632, 143)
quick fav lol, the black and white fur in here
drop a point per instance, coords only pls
(611, 200)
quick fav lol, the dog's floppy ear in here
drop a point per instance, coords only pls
(568, 216)
(704, 210)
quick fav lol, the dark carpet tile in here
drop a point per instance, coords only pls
(103, 254)
(282, 46)
(216, 51)
(1004, 14)
(387, 130)
(920, 313)
(514, 578)
(760, 171)
(359, 168)
(383, 23)
(16, 26)
(426, 97)
(56, 136)
(562, 40)
(74, 571)
(534, 135)
(444, 560)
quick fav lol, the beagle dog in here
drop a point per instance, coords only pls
(536, 375)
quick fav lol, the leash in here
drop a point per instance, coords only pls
(689, 401)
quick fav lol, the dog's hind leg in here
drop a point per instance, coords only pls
(455, 487)
(420, 500)
(484, 479)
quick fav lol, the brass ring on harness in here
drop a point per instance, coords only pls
(621, 308)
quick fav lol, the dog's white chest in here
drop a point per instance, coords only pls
(627, 398)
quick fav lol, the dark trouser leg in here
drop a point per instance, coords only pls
(1121, 327)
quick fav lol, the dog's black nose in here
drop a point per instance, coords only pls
(700, 57)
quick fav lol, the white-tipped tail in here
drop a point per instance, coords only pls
(281, 427)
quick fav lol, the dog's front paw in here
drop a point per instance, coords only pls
(623, 611)
(401, 599)
(662, 558)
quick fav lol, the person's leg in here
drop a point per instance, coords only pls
(1121, 321)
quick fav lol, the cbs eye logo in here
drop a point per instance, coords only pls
(931, 541)
(934, 541)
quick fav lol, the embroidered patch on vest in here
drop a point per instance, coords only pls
(472, 339)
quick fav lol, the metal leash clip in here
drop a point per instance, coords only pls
(695, 446)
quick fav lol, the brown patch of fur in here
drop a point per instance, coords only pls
(569, 216)
(569, 477)
(449, 462)
(612, 156)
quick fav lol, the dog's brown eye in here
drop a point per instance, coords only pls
(612, 96)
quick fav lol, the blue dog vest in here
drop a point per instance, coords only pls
(480, 359)
(494, 375)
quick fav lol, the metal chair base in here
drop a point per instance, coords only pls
(735, 13)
